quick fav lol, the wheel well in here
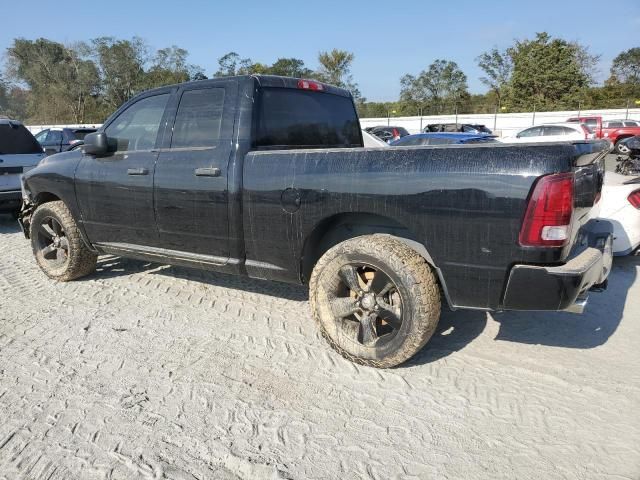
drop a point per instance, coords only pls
(622, 137)
(338, 228)
(45, 197)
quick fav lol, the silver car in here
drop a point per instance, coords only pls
(19, 152)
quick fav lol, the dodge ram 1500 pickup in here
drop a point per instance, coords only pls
(266, 177)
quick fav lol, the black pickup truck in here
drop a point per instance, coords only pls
(266, 177)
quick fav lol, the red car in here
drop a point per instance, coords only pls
(612, 130)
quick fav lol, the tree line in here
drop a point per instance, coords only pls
(44, 81)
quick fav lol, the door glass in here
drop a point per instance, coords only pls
(199, 118)
(554, 130)
(137, 127)
(54, 137)
(531, 132)
(42, 136)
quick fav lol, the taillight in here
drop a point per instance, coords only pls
(634, 199)
(310, 85)
(547, 221)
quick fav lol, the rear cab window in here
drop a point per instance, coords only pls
(16, 139)
(288, 118)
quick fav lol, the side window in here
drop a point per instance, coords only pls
(199, 118)
(42, 136)
(554, 130)
(614, 125)
(592, 122)
(530, 132)
(54, 137)
(630, 124)
(137, 127)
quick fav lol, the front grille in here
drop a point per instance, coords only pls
(10, 170)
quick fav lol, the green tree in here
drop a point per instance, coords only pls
(289, 67)
(62, 80)
(548, 73)
(121, 64)
(497, 67)
(169, 66)
(626, 67)
(442, 83)
(335, 68)
(232, 64)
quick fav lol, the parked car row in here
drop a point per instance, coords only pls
(55, 140)
(613, 130)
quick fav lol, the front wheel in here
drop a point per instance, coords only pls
(375, 300)
(57, 245)
(621, 148)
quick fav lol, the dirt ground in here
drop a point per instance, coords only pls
(156, 372)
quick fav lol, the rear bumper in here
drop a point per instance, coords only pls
(10, 201)
(564, 287)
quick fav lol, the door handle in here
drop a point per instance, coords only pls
(207, 172)
(137, 171)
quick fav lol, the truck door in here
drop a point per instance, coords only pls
(115, 192)
(191, 192)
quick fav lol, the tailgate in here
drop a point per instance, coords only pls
(13, 166)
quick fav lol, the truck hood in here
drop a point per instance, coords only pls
(20, 160)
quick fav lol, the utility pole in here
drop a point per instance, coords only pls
(627, 115)
(533, 119)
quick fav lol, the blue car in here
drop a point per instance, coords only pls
(442, 138)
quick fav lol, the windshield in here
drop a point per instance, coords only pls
(16, 139)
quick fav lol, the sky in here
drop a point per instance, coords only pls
(388, 38)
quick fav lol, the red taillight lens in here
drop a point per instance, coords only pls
(310, 85)
(634, 199)
(547, 221)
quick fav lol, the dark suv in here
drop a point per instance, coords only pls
(55, 140)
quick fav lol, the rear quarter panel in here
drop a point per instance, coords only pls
(464, 203)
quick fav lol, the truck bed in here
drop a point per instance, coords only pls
(464, 203)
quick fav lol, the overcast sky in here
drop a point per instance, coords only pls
(388, 38)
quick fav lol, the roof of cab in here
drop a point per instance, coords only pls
(268, 81)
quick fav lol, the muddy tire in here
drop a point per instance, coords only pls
(57, 245)
(375, 300)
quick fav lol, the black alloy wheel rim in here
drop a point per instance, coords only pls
(366, 304)
(52, 242)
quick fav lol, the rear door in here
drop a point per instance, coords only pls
(191, 192)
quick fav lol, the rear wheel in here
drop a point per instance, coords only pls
(621, 147)
(57, 245)
(376, 301)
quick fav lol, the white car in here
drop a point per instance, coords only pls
(552, 132)
(620, 204)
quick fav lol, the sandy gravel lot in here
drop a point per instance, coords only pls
(156, 372)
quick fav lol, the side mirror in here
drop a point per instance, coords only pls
(96, 144)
